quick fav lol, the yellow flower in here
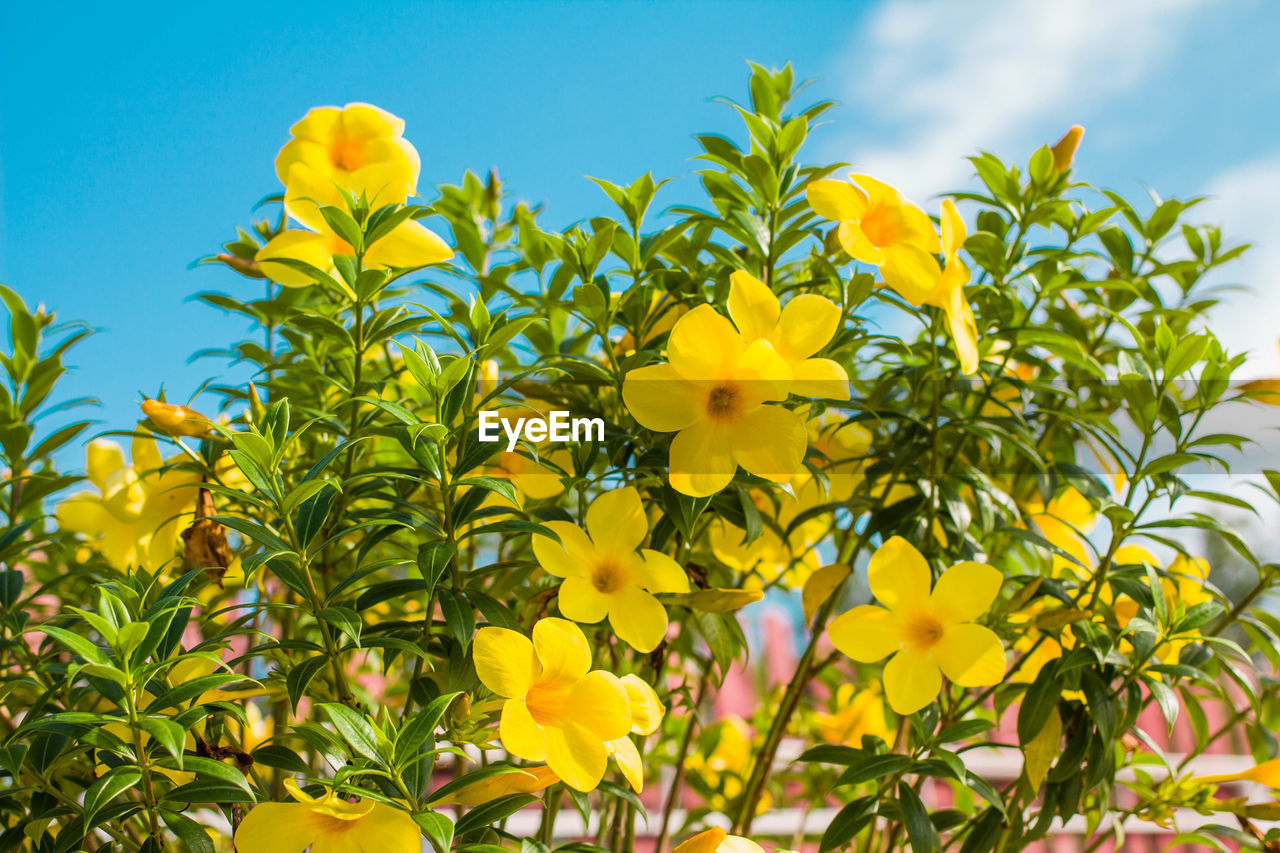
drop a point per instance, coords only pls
(134, 518)
(924, 632)
(604, 575)
(358, 147)
(329, 824)
(844, 450)
(1064, 150)
(713, 393)
(524, 780)
(716, 840)
(880, 227)
(858, 713)
(1267, 773)
(647, 712)
(1064, 522)
(556, 710)
(175, 420)
(798, 331)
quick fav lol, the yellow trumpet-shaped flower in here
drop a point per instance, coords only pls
(605, 576)
(797, 331)
(928, 634)
(329, 824)
(880, 227)
(1267, 773)
(714, 394)
(356, 147)
(135, 516)
(557, 710)
(716, 840)
(175, 420)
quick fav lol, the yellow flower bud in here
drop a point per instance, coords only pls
(175, 420)
(1064, 150)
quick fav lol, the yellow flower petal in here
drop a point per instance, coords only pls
(410, 244)
(504, 661)
(661, 399)
(638, 618)
(628, 757)
(898, 575)
(859, 245)
(738, 844)
(709, 841)
(582, 602)
(647, 709)
(521, 735)
(752, 306)
(965, 591)
(808, 322)
(911, 681)
(913, 273)
(385, 829)
(616, 521)
(702, 342)
(836, 200)
(599, 703)
(820, 378)
(702, 462)
(567, 558)
(294, 245)
(770, 442)
(866, 633)
(104, 459)
(763, 374)
(562, 651)
(971, 655)
(577, 756)
(659, 573)
(277, 828)
(953, 230)
(964, 329)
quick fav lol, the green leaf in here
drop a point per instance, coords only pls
(1039, 702)
(848, 822)
(421, 727)
(920, 831)
(106, 789)
(359, 733)
(492, 812)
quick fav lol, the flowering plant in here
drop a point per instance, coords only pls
(333, 618)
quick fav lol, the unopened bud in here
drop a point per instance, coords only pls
(1064, 150)
(244, 266)
(175, 420)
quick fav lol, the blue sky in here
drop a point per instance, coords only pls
(133, 140)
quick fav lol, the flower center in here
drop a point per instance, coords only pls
(546, 703)
(882, 226)
(347, 154)
(608, 576)
(923, 632)
(724, 403)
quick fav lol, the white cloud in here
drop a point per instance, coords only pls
(949, 78)
(1242, 200)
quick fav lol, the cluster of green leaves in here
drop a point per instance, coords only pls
(376, 533)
